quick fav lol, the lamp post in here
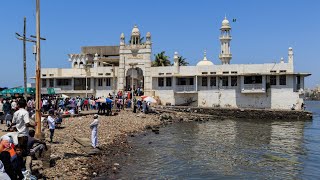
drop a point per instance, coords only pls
(86, 69)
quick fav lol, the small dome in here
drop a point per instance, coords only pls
(225, 22)
(122, 36)
(290, 48)
(205, 61)
(148, 34)
(135, 31)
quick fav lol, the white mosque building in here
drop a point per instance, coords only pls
(108, 69)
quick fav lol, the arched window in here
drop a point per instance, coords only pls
(75, 64)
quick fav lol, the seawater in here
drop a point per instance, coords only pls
(228, 149)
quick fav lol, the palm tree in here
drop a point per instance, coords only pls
(161, 59)
(182, 61)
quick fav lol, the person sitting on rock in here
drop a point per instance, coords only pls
(18, 163)
(35, 145)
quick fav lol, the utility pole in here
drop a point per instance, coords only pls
(38, 69)
(24, 59)
(24, 39)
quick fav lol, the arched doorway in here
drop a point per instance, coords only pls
(134, 76)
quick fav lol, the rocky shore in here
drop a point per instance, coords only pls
(70, 161)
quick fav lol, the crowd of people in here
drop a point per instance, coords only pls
(19, 146)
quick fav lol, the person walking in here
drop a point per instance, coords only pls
(6, 108)
(94, 131)
(52, 125)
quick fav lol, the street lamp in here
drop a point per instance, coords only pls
(86, 69)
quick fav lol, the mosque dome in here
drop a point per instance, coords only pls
(225, 24)
(205, 61)
(135, 31)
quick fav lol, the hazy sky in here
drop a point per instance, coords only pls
(262, 33)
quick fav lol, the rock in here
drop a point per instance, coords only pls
(94, 174)
(116, 164)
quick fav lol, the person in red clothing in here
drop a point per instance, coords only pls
(86, 104)
(129, 95)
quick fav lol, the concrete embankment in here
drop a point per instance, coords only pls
(223, 113)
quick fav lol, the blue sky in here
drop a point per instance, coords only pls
(262, 34)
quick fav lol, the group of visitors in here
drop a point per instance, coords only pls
(18, 149)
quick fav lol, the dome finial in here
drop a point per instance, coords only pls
(205, 55)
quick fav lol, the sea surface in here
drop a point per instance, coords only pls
(228, 149)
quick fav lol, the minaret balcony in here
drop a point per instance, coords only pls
(225, 37)
(225, 56)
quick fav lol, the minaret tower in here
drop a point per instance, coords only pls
(225, 38)
(135, 36)
(290, 55)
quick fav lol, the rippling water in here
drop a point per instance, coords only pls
(229, 149)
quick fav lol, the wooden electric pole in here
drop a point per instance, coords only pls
(38, 71)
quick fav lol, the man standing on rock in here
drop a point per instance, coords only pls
(94, 131)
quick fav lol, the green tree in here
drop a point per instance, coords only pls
(183, 61)
(161, 60)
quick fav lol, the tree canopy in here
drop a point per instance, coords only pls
(161, 60)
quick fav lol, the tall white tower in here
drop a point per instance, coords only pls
(225, 38)
(290, 55)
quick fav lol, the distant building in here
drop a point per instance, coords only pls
(270, 86)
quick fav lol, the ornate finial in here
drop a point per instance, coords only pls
(96, 55)
(205, 55)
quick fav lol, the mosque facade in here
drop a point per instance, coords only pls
(100, 70)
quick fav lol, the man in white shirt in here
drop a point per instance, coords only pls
(52, 125)
(45, 105)
(94, 131)
(22, 122)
